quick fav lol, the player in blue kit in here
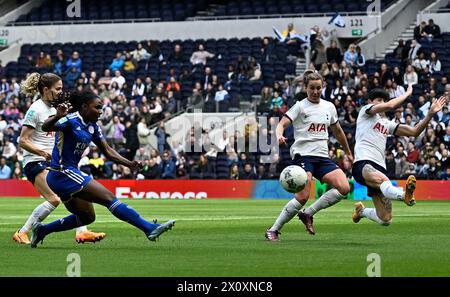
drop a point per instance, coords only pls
(75, 131)
(37, 146)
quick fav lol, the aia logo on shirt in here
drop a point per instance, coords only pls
(380, 128)
(50, 134)
(317, 128)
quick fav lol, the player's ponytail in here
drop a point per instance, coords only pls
(310, 75)
(29, 87)
(36, 83)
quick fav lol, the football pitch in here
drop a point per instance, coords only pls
(226, 238)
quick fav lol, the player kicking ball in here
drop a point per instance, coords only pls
(311, 118)
(37, 146)
(369, 169)
(75, 131)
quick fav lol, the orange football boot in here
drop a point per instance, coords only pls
(89, 236)
(21, 237)
(359, 206)
(409, 191)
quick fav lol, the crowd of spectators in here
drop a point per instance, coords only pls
(130, 110)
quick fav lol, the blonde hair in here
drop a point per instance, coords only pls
(310, 75)
(35, 83)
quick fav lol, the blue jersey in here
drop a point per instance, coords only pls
(72, 138)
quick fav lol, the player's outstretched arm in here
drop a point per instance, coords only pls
(405, 130)
(282, 125)
(50, 123)
(342, 139)
(391, 104)
(114, 156)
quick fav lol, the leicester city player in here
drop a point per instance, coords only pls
(75, 131)
(37, 146)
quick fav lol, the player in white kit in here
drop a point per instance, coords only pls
(311, 118)
(37, 146)
(369, 169)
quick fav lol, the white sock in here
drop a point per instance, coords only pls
(289, 211)
(371, 214)
(391, 192)
(38, 215)
(81, 229)
(329, 198)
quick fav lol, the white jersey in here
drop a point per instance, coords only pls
(35, 118)
(371, 135)
(311, 122)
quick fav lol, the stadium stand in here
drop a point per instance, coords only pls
(271, 7)
(104, 10)
(52, 11)
(98, 56)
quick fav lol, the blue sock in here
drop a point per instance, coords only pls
(67, 223)
(125, 213)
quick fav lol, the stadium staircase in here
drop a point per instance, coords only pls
(300, 66)
(407, 34)
(393, 27)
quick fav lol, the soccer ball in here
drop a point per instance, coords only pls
(293, 178)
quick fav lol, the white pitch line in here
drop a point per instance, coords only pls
(242, 218)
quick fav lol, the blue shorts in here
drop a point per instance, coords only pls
(318, 166)
(34, 168)
(67, 182)
(358, 176)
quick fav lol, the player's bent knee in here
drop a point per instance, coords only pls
(384, 214)
(386, 218)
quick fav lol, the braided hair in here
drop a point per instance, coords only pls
(78, 98)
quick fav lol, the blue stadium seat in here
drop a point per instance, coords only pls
(352, 7)
(232, 10)
(257, 86)
(339, 7)
(298, 8)
(312, 8)
(272, 9)
(259, 9)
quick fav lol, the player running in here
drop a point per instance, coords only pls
(37, 146)
(369, 169)
(311, 118)
(78, 190)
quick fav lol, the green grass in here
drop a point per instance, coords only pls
(226, 238)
